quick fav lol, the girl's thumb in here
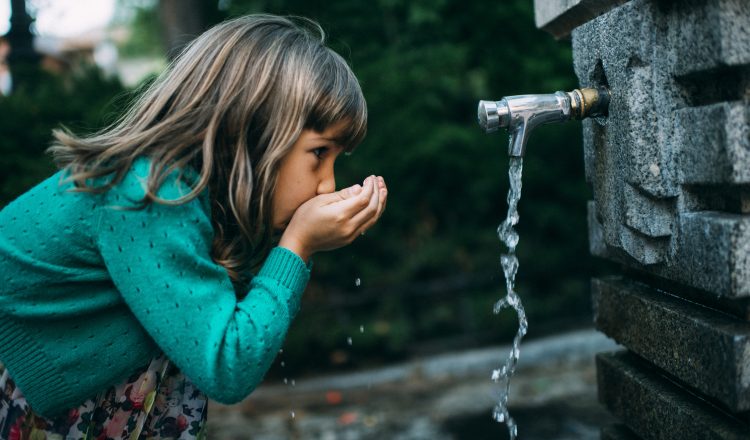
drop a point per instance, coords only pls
(341, 194)
(354, 190)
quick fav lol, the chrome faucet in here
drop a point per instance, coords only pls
(521, 114)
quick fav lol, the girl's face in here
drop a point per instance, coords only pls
(306, 172)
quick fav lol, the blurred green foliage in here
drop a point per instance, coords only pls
(144, 37)
(84, 101)
(423, 66)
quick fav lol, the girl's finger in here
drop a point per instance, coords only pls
(353, 205)
(381, 205)
(363, 216)
(337, 196)
(383, 197)
(384, 200)
(372, 220)
(369, 216)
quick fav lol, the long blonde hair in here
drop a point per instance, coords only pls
(230, 106)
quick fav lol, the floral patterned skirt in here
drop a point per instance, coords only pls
(157, 402)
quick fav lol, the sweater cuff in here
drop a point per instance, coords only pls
(287, 268)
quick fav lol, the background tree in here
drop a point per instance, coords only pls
(183, 20)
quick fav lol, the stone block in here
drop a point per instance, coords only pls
(618, 432)
(703, 348)
(676, 143)
(706, 34)
(646, 250)
(597, 245)
(559, 17)
(623, 154)
(654, 407)
(713, 144)
(712, 252)
(649, 216)
(737, 307)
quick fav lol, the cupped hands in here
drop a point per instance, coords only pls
(331, 221)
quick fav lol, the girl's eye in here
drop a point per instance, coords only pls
(320, 151)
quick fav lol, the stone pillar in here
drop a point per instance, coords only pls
(670, 173)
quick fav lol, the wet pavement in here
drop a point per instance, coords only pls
(553, 397)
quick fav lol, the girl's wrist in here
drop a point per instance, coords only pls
(295, 246)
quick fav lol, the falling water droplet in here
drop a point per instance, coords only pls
(495, 375)
(291, 413)
(293, 382)
(357, 282)
(286, 381)
(282, 363)
(361, 328)
(349, 340)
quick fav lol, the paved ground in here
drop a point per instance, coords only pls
(553, 397)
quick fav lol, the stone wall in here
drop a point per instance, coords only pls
(670, 173)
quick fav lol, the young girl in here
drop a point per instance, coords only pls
(127, 295)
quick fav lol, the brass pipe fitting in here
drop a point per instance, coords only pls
(589, 102)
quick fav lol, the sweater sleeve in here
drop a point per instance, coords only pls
(159, 260)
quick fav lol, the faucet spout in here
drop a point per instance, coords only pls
(521, 114)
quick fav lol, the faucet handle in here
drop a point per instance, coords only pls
(492, 115)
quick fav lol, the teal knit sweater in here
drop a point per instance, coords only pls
(90, 293)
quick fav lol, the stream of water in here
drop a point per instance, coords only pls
(510, 266)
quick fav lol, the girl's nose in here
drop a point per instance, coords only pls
(327, 184)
